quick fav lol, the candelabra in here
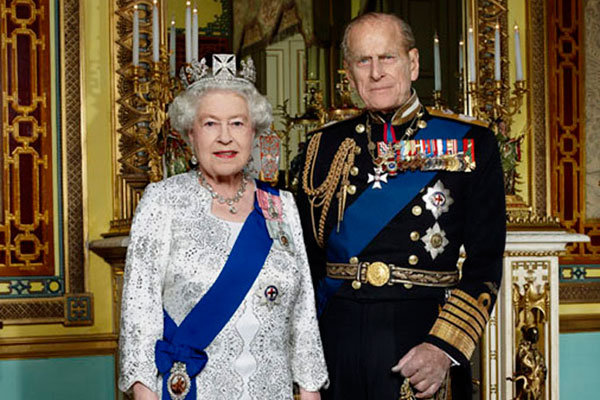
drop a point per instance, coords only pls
(153, 90)
(143, 90)
(315, 115)
(489, 97)
(498, 103)
(345, 108)
(437, 99)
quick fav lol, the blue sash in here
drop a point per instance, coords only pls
(375, 208)
(186, 342)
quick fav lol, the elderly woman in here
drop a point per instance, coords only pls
(217, 295)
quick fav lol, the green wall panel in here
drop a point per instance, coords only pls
(579, 365)
(76, 378)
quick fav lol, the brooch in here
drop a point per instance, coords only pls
(179, 382)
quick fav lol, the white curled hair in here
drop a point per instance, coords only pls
(182, 111)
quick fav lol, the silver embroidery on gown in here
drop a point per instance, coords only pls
(176, 251)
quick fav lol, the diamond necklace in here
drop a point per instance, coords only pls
(221, 199)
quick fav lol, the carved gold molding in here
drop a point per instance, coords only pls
(536, 57)
(572, 323)
(58, 346)
(532, 253)
(531, 304)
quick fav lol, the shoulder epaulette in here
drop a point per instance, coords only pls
(449, 114)
(331, 123)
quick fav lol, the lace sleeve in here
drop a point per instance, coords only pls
(307, 359)
(141, 307)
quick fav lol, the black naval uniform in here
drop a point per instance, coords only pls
(367, 329)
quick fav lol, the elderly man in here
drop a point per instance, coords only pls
(387, 200)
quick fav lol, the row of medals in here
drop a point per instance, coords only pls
(386, 164)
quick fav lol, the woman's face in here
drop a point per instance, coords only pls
(222, 134)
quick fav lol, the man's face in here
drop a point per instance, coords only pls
(379, 67)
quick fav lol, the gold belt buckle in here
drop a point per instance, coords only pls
(378, 273)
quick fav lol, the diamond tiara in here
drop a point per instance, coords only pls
(223, 69)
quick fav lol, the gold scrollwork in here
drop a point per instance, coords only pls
(531, 304)
(26, 151)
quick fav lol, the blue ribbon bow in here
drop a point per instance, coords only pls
(167, 354)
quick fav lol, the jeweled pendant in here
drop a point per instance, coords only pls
(232, 209)
(179, 382)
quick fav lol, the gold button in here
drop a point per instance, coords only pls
(436, 240)
(356, 285)
(413, 260)
(422, 124)
(414, 236)
(360, 128)
(354, 171)
(408, 285)
(353, 260)
(351, 189)
(417, 210)
(357, 150)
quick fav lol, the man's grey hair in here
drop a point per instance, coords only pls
(407, 34)
(182, 112)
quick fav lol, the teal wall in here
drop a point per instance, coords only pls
(76, 378)
(579, 365)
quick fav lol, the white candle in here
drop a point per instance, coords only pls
(172, 46)
(195, 34)
(518, 64)
(188, 32)
(471, 44)
(497, 53)
(461, 55)
(135, 45)
(155, 32)
(437, 69)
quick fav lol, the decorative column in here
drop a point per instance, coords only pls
(520, 344)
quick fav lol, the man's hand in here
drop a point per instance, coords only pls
(425, 366)
(306, 395)
(141, 392)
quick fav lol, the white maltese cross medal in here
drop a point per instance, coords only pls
(437, 199)
(377, 178)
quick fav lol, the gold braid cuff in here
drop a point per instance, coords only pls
(461, 322)
(321, 196)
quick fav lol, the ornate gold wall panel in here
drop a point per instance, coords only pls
(567, 127)
(35, 284)
(26, 240)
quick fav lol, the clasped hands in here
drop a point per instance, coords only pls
(425, 366)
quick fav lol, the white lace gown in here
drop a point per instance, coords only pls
(177, 250)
